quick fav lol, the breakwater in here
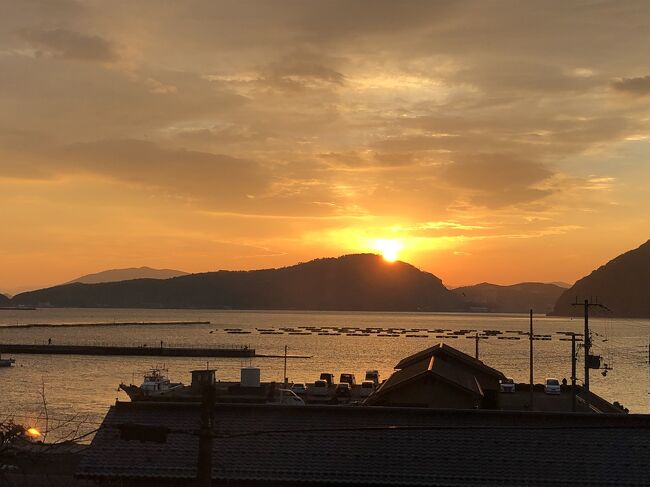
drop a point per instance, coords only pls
(141, 350)
(105, 323)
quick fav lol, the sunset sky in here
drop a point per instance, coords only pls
(486, 141)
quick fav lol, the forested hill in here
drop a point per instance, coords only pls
(623, 285)
(353, 282)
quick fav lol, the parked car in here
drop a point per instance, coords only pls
(343, 389)
(299, 388)
(289, 398)
(320, 388)
(507, 385)
(552, 386)
(349, 378)
(373, 375)
(329, 378)
(367, 388)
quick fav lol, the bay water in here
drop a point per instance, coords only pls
(75, 386)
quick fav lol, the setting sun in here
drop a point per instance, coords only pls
(389, 249)
(33, 432)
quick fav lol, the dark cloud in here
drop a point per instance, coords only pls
(509, 76)
(302, 70)
(328, 103)
(499, 179)
(85, 101)
(343, 21)
(485, 171)
(634, 86)
(67, 44)
(214, 177)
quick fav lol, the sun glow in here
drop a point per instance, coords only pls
(33, 432)
(389, 249)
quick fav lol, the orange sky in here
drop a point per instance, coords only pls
(491, 141)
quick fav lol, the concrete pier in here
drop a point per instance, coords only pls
(160, 351)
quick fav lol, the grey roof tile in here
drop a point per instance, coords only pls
(381, 446)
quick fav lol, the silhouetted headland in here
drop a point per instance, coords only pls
(363, 282)
(623, 285)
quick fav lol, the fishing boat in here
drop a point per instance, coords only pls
(6, 362)
(155, 384)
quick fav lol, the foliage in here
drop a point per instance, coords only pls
(9, 433)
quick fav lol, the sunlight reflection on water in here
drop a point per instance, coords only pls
(88, 385)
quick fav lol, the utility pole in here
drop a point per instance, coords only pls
(587, 338)
(286, 379)
(204, 464)
(574, 360)
(530, 338)
(587, 342)
(476, 353)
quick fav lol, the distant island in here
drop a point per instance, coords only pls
(363, 282)
(360, 282)
(623, 285)
(517, 298)
(115, 275)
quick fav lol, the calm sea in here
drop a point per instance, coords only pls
(84, 386)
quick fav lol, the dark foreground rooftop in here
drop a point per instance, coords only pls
(321, 445)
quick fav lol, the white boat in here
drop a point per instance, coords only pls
(155, 384)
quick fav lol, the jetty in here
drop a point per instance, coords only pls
(103, 324)
(140, 350)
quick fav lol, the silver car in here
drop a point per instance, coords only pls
(552, 386)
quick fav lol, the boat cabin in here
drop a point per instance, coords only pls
(202, 378)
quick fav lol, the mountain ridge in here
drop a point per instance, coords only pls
(622, 284)
(358, 282)
(127, 274)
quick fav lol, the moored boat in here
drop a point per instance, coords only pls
(155, 384)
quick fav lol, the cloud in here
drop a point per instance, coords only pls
(475, 113)
(634, 86)
(214, 177)
(305, 65)
(499, 179)
(302, 70)
(71, 45)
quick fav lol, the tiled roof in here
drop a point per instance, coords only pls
(380, 446)
(455, 375)
(435, 366)
(442, 349)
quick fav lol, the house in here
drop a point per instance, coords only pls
(433, 383)
(487, 377)
(440, 377)
(151, 443)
